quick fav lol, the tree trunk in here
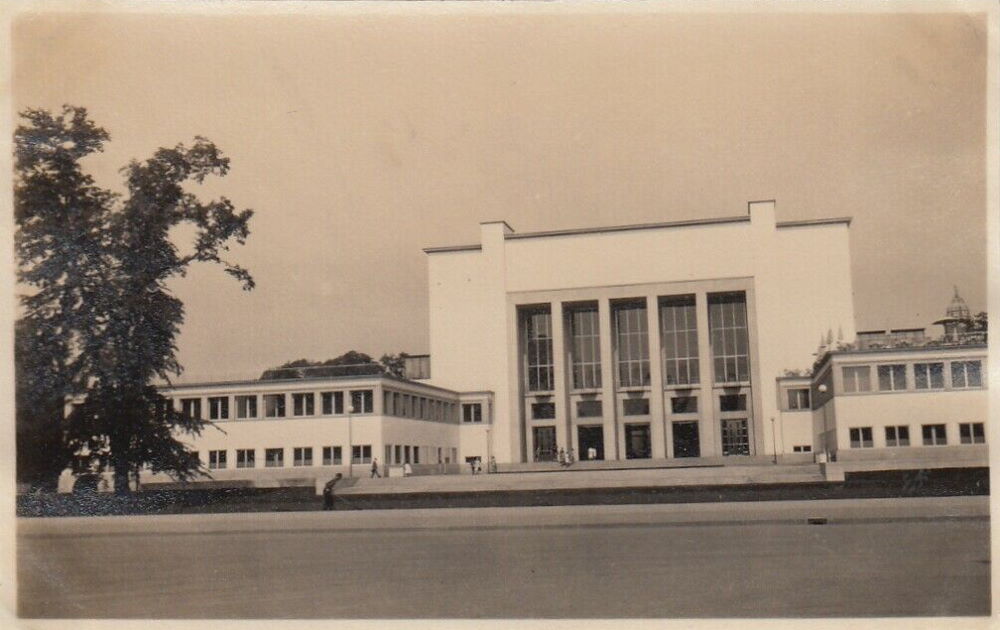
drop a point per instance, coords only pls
(121, 474)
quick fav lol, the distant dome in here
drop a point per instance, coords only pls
(958, 309)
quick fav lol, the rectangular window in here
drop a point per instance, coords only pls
(635, 407)
(891, 378)
(218, 408)
(416, 454)
(735, 437)
(398, 454)
(543, 411)
(246, 407)
(191, 407)
(332, 456)
(274, 405)
(897, 436)
(966, 374)
(861, 437)
(304, 404)
(274, 457)
(302, 456)
(333, 403)
(632, 344)
(972, 433)
(733, 402)
(589, 409)
(729, 338)
(217, 460)
(537, 326)
(684, 404)
(798, 399)
(857, 378)
(472, 412)
(934, 435)
(245, 458)
(928, 375)
(679, 336)
(586, 347)
(361, 454)
(806, 448)
(362, 401)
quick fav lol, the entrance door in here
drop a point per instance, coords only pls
(735, 438)
(686, 440)
(545, 443)
(591, 442)
(637, 442)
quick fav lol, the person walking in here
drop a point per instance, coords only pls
(375, 472)
(328, 492)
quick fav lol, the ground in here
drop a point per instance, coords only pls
(871, 558)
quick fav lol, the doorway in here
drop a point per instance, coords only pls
(686, 442)
(637, 442)
(591, 442)
(544, 439)
(735, 437)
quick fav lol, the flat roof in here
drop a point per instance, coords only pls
(306, 379)
(929, 349)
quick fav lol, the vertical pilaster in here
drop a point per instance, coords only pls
(563, 439)
(610, 404)
(709, 431)
(656, 429)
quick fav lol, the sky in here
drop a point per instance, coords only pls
(360, 136)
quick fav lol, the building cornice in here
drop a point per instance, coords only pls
(809, 222)
(631, 227)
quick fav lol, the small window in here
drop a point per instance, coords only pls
(274, 458)
(246, 407)
(218, 408)
(302, 456)
(245, 458)
(934, 435)
(217, 460)
(361, 454)
(472, 412)
(965, 374)
(635, 407)
(362, 401)
(928, 375)
(589, 409)
(274, 405)
(897, 436)
(857, 378)
(684, 404)
(891, 378)
(304, 404)
(333, 403)
(543, 411)
(972, 433)
(332, 456)
(798, 399)
(191, 407)
(861, 437)
(805, 448)
(733, 402)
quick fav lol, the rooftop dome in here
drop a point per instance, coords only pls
(958, 309)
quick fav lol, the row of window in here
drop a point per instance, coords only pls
(925, 376)
(406, 454)
(638, 406)
(728, 338)
(931, 434)
(301, 456)
(420, 407)
(303, 404)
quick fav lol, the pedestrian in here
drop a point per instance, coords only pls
(375, 469)
(328, 492)
(570, 457)
(493, 464)
(591, 453)
(479, 466)
(472, 465)
(407, 469)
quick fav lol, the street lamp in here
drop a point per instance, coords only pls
(774, 440)
(350, 442)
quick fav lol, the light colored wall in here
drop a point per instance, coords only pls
(795, 428)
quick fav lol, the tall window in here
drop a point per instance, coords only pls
(218, 408)
(586, 347)
(679, 334)
(891, 377)
(857, 378)
(362, 401)
(191, 407)
(538, 350)
(274, 405)
(303, 404)
(333, 402)
(966, 374)
(472, 412)
(632, 344)
(727, 323)
(928, 375)
(246, 407)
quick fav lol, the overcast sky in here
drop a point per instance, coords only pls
(362, 136)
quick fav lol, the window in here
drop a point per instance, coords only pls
(246, 407)
(806, 448)
(971, 433)
(897, 436)
(245, 458)
(966, 374)
(361, 454)
(217, 459)
(416, 454)
(891, 377)
(861, 437)
(333, 403)
(218, 408)
(398, 454)
(302, 456)
(589, 409)
(543, 411)
(586, 348)
(274, 458)
(934, 435)
(303, 404)
(857, 378)
(332, 456)
(727, 323)
(928, 375)
(798, 399)
(191, 407)
(632, 344)
(635, 407)
(362, 401)
(538, 348)
(472, 412)
(274, 405)
(684, 404)
(733, 402)
(679, 336)
(735, 437)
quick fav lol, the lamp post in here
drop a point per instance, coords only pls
(774, 440)
(350, 443)
(826, 434)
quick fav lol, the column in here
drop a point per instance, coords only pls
(563, 438)
(709, 431)
(609, 404)
(656, 429)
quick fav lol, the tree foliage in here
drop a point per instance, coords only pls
(351, 363)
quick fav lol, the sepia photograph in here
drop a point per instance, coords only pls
(500, 311)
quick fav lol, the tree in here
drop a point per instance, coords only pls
(115, 326)
(395, 364)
